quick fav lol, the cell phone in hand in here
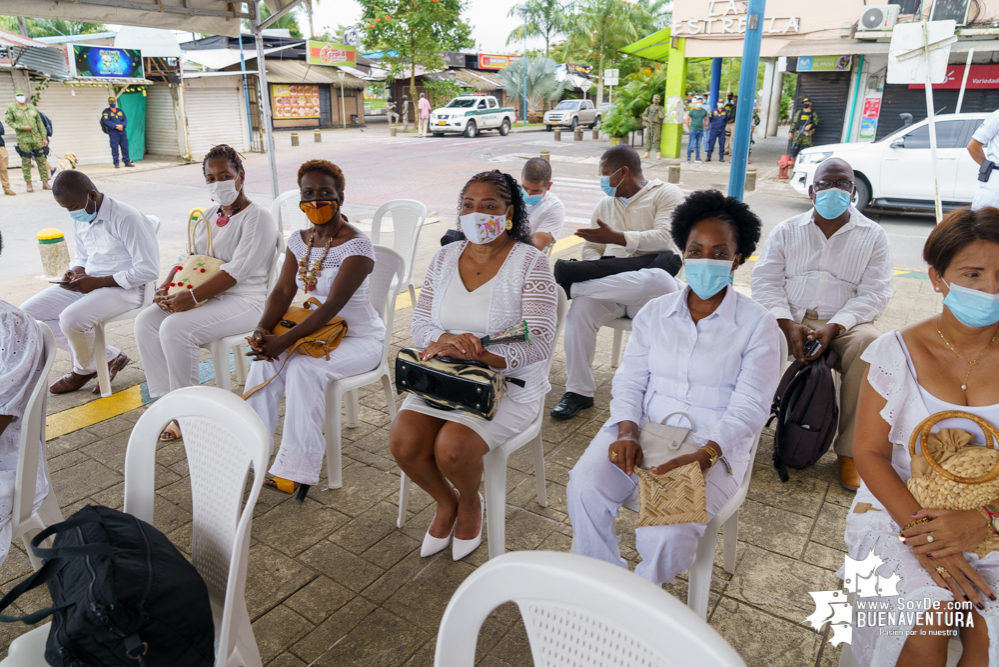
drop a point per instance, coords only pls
(59, 282)
(811, 347)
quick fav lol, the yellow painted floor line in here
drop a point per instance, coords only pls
(90, 413)
(403, 301)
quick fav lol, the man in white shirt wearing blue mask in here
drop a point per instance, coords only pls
(984, 150)
(545, 211)
(825, 275)
(116, 254)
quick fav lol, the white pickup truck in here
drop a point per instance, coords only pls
(470, 114)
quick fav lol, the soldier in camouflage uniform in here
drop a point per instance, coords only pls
(31, 137)
(653, 117)
(802, 127)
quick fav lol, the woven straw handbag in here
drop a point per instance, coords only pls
(954, 473)
(674, 497)
(196, 269)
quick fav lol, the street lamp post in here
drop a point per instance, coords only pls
(524, 11)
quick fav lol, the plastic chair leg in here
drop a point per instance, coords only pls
(846, 657)
(699, 575)
(616, 348)
(334, 467)
(538, 446)
(241, 365)
(389, 396)
(403, 500)
(495, 515)
(101, 360)
(412, 294)
(730, 541)
(220, 360)
(245, 652)
(350, 403)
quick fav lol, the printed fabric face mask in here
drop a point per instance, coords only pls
(321, 211)
(832, 203)
(531, 200)
(609, 190)
(83, 215)
(480, 228)
(224, 192)
(974, 308)
(707, 277)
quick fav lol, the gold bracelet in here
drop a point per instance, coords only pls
(712, 455)
(901, 537)
(988, 519)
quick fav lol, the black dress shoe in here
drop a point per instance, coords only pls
(570, 405)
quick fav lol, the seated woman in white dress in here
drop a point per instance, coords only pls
(331, 262)
(492, 280)
(21, 347)
(169, 336)
(947, 362)
(704, 350)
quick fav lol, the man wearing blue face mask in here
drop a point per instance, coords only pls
(545, 211)
(825, 275)
(116, 254)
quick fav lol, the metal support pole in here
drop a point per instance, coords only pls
(933, 127)
(716, 74)
(747, 91)
(246, 88)
(524, 11)
(856, 98)
(964, 80)
(265, 106)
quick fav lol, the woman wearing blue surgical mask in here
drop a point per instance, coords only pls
(491, 280)
(703, 357)
(949, 361)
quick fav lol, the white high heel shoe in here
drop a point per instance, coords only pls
(462, 548)
(433, 545)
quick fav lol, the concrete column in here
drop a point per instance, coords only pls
(716, 73)
(770, 67)
(773, 120)
(671, 142)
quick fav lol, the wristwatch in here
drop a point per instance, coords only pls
(712, 455)
(993, 513)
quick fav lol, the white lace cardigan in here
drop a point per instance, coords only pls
(524, 290)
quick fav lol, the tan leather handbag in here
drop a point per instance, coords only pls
(196, 269)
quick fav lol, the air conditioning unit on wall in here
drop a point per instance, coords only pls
(879, 17)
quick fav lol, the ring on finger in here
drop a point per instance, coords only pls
(613, 456)
(942, 571)
(929, 538)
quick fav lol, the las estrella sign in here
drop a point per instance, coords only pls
(328, 53)
(729, 17)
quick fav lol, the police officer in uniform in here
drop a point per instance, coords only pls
(802, 128)
(717, 120)
(31, 137)
(115, 122)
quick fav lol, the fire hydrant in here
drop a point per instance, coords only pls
(785, 163)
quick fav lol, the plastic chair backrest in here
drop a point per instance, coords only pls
(223, 438)
(563, 308)
(581, 612)
(389, 268)
(277, 264)
(408, 216)
(150, 288)
(32, 434)
(285, 214)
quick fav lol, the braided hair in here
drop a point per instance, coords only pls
(223, 151)
(508, 191)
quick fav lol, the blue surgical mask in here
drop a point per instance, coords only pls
(531, 200)
(707, 277)
(832, 203)
(609, 190)
(82, 215)
(974, 308)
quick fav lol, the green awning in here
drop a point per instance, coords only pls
(653, 47)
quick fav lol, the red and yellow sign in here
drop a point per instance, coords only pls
(295, 101)
(495, 62)
(326, 53)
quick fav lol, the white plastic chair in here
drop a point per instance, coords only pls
(219, 348)
(494, 464)
(384, 284)
(223, 438)
(619, 326)
(25, 521)
(100, 344)
(286, 213)
(408, 216)
(579, 612)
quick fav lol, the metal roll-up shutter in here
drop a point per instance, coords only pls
(214, 117)
(161, 121)
(829, 92)
(899, 99)
(76, 122)
(6, 99)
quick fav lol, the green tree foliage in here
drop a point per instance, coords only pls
(414, 33)
(441, 91)
(633, 98)
(545, 19)
(51, 27)
(542, 86)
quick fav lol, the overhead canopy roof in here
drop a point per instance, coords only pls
(222, 58)
(152, 42)
(298, 71)
(654, 47)
(479, 80)
(16, 40)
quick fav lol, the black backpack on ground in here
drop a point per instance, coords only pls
(806, 412)
(122, 595)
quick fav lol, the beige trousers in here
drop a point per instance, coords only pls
(4, 176)
(849, 345)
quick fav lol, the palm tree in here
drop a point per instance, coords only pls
(542, 85)
(545, 18)
(601, 27)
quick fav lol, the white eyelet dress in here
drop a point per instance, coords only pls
(304, 379)
(523, 289)
(892, 375)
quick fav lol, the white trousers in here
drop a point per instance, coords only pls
(303, 383)
(597, 488)
(597, 302)
(72, 317)
(423, 126)
(170, 343)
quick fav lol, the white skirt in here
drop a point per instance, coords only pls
(511, 418)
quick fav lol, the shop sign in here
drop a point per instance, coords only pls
(728, 17)
(869, 118)
(824, 63)
(326, 53)
(104, 62)
(295, 101)
(495, 62)
(980, 76)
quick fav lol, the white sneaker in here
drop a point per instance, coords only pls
(432, 545)
(462, 548)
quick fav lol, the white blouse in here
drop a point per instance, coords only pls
(464, 311)
(21, 347)
(524, 289)
(722, 372)
(246, 244)
(360, 315)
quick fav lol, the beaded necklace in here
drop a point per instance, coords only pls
(223, 219)
(310, 277)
